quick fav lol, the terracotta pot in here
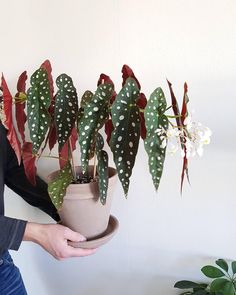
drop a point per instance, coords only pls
(82, 210)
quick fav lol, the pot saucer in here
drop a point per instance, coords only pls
(106, 237)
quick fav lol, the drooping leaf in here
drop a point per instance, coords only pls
(233, 265)
(212, 272)
(29, 159)
(38, 103)
(218, 284)
(66, 108)
(156, 125)
(57, 187)
(96, 113)
(180, 120)
(8, 122)
(102, 169)
(20, 105)
(189, 285)
(223, 264)
(127, 72)
(125, 136)
(184, 112)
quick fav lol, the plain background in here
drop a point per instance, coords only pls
(162, 237)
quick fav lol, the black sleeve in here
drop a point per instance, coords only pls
(11, 233)
(37, 195)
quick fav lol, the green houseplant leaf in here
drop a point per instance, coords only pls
(229, 289)
(189, 284)
(96, 113)
(233, 266)
(126, 134)
(212, 272)
(57, 187)
(218, 284)
(102, 169)
(156, 125)
(223, 264)
(38, 102)
(66, 108)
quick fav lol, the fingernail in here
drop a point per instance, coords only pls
(82, 239)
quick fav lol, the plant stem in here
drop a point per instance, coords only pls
(72, 160)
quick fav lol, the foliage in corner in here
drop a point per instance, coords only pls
(224, 280)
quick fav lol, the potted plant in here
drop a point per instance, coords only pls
(57, 117)
(223, 282)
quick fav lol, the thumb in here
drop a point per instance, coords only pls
(74, 236)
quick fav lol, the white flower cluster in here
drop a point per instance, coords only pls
(193, 135)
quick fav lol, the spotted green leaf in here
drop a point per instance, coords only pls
(156, 125)
(102, 169)
(125, 136)
(86, 98)
(66, 108)
(57, 187)
(38, 102)
(96, 113)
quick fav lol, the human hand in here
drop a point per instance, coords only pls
(54, 239)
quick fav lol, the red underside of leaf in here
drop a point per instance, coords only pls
(52, 137)
(179, 122)
(184, 111)
(29, 162)
(104, 79)
(8, 123)
(20, 107)
(128, 72)
(108, 130)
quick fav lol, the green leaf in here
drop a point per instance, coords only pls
(229, 289)
(218, 284)
(233, 265)
(223, 264)
(96, 113)
(66, 108)
(189, 284)
(86, 98)
(156, 125)
(212, 272)
(125, 136)
(102, 169)
(57, 187)
(38, 102)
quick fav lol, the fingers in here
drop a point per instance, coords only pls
(74, 236)
(78, 252)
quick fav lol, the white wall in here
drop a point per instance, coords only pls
(164, 237)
